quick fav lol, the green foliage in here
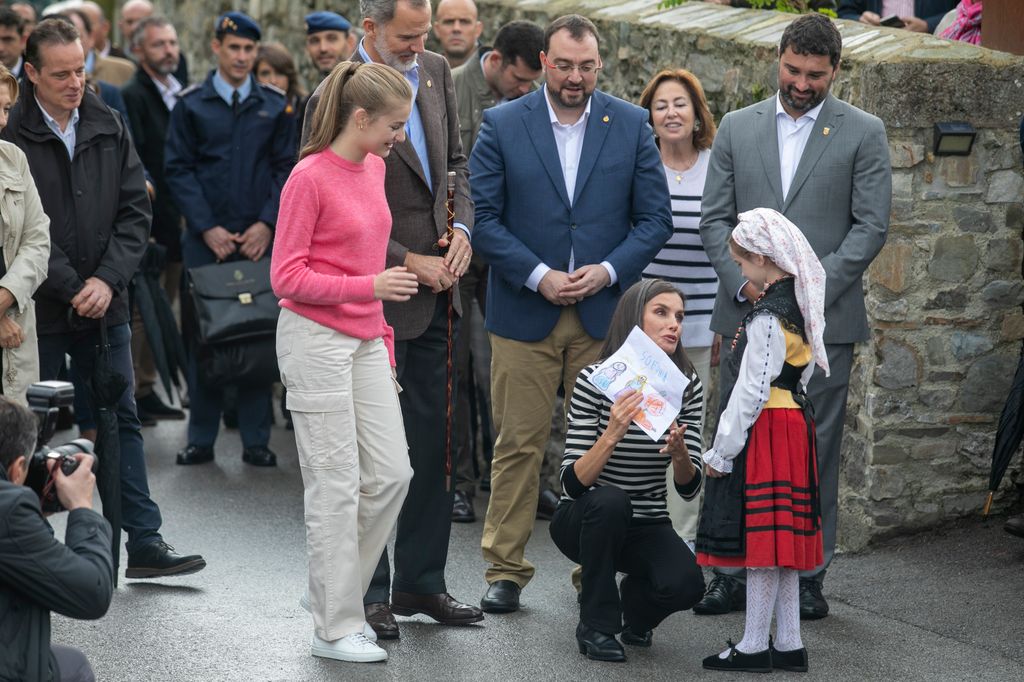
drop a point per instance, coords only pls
(789, 6)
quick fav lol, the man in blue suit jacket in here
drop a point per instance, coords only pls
(571, 205)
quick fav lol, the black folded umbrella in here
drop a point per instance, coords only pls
(154, 307)
(1009, 432)
(106, 388)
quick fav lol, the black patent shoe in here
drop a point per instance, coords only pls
(502, 597)
(259, 456)
(547, 502)
(812, 602)
(159, 560)
(598, 646)
(737, 661)
(791, 661)
(725, 594)
(634, 638)
(195, 454)
(462, 508)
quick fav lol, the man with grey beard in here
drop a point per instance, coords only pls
(395, 31)
(149, 96)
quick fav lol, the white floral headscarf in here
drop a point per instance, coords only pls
(769, 233)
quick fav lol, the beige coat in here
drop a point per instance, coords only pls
(113, 70)
(25, 235)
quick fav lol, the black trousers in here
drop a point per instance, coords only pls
(425, 524)
(662, 577)
(72, 665)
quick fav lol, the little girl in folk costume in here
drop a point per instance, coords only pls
(761, 505)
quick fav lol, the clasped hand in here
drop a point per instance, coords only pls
(441, 273)
(253, 243)
(563, 288)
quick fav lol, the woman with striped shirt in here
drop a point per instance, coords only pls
(684, 129)
(612, 516)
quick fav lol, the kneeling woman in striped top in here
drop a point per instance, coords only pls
(612, 517)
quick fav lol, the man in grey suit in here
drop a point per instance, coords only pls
(825, 165)
(416, 190)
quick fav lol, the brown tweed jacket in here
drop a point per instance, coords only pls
(418, 212)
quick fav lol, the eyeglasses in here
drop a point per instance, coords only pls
(566, 68)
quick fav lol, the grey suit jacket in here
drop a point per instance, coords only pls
(839, 198)
(418, 213)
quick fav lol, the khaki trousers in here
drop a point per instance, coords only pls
(524, 380)
(354, 461)
(685, 513)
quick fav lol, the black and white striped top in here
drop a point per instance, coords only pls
(635, 466)
(682, 260)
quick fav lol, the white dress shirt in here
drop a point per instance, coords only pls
(793, 136)
(169, 92)
(569, 140)
(69, 135)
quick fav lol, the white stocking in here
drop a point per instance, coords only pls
(762, 586)
(787, 612)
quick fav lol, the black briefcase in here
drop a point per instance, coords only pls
(233, 300)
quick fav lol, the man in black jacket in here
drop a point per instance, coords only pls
(91, 184)
(37, 573)
(149, 96)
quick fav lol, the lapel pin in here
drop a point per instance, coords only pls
(429, 84)
(825, 132)
(605, 119)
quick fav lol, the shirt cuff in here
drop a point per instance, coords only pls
(689, 490)
(533, 281)
(739, 294)
(611, 272)
(460, 226)
(571, 483)
(717, 462)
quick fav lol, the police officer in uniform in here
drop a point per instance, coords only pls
(229, 150)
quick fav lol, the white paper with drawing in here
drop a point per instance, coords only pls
(642, 366)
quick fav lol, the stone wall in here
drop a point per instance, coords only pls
(944, 296)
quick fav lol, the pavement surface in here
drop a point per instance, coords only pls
(948, 605)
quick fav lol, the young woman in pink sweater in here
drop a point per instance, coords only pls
(336, 351)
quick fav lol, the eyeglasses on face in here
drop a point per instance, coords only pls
(566, 68)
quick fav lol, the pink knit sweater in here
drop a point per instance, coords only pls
(331, 240)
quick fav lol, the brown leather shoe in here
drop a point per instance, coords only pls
(441, 607)
(378, 615)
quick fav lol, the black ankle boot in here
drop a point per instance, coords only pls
(599, 646)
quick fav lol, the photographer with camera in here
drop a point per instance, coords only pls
(38, 574)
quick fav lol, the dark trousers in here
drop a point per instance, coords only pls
(255, 411)
(72, 665)
(828, 396)
(597, 531)
(424, 526)
(474, 401)
(140, 517)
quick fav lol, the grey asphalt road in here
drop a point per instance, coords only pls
(948, 605)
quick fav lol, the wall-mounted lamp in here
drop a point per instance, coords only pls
(954, 138)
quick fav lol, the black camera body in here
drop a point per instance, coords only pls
(45, 398)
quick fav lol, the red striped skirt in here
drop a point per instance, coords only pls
(781, 527)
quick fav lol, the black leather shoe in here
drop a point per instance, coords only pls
(380, 618)
(791, 661)
(598, 646)
(195, 454)
(145, 418)
(725, 594)
(1015, 526)
(633, 638)
(812, 603)
(259, 456)
(737, 661)
(159, 560)
(546, 503)
(462, 508)
(502, 597)
(156, 408)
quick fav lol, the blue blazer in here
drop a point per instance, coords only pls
(621, 211)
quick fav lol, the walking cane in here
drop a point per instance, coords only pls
(450, 376)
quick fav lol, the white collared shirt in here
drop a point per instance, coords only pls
(69, 136)
(793, 136)
(169, 92)
(569, 141)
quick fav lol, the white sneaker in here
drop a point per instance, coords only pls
(354, 648)
(368, 632)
